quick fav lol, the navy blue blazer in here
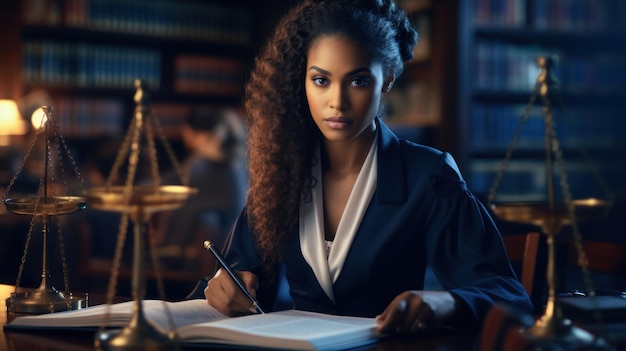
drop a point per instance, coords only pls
(420, 214)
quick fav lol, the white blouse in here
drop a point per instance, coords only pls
(326, 258)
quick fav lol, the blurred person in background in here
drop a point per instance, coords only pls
(216, 167)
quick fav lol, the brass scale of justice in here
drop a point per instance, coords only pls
(134, 202)
(552, 329)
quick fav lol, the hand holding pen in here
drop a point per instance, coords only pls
(233, 275)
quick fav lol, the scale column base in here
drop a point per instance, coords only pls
(41, 302)
(133, 338)
(560, 334)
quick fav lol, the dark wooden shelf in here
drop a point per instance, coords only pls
(571, 41)
(569, 154)
(159, 95)
(174, 44)
(574, 98)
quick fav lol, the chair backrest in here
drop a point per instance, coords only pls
(606, 263)
(602, 257)
(524, 248)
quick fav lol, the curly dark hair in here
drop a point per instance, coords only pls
(282, 134)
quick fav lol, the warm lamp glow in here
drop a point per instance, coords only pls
(38, 118)
(11, 122)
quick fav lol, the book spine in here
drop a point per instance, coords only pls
(85, 65)
(208, 75)
(85, 117)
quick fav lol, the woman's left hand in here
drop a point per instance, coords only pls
(416, 311)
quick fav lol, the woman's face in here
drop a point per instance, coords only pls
(343, 88)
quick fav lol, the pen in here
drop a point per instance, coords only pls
(211, 247)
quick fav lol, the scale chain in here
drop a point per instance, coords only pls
(168, 149)
(32, 221)
(121, 156)
(512, 145)
(582, 259)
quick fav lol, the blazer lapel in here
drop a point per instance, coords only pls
(391, 185)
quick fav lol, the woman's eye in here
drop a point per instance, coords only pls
(320, 80)
(360, 82)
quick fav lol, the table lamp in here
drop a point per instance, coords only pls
(11, 122)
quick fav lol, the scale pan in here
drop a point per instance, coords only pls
(539, 212)
(45, 206)
(148, 198)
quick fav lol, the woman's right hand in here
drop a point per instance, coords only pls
(223, 294)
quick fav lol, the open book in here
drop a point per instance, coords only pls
(197, 322)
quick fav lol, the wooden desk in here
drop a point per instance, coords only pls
(83, 341)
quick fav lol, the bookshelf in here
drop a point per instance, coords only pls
(82, 56)
(499, 41)
(418, 106)
(85, 55)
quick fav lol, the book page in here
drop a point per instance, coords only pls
(294, 330)
(183, 313)
(118, 315)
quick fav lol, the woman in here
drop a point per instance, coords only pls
(352, 213)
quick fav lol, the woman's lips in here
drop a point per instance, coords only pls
(337, 122)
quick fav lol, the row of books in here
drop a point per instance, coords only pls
(87, 65)
(507, 13)
(504, 66)
(572, 15)
(201, 20)
(509, 67)
(603, 73)
(170, 117)
(494, 126)
(82, 117)
(525, 179)
(208, 75)
(559, 15)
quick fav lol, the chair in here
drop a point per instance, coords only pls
(526, 252)
(502, 330)
(179, 276)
